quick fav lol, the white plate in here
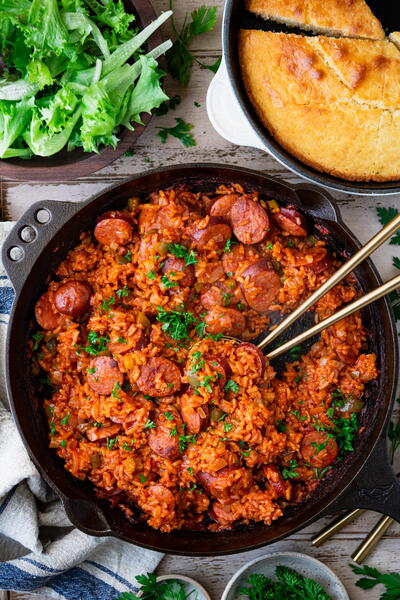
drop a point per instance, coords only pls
(305, 565)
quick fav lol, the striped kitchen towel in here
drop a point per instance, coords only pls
(40, 551)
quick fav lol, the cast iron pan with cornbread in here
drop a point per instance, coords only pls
(321, 87)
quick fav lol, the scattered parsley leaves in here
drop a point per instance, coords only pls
(175, 323)
(170, 104)
(149, 424)
(123, 292)
(372, 577)
(180, 131)
(36, 338)
(184, 440)
(189, 256)
(96, 343)
(111, 442)
(231, 386)
(289, 472)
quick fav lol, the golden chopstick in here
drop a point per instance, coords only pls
(344, 270)
(335, 527)
(351, 308)
(366, 547)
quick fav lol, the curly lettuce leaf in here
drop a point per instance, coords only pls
(16, 90)
(38, 72)
(147, 94)
(112, 14)
(83, 27)
(14, 117)
(98, 118)
(59, 111)
(45, 31)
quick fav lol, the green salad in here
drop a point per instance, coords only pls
(72, 73)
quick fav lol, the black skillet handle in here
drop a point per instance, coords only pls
(317, 202)
(86, 515)
(30, 235)
(365, 492)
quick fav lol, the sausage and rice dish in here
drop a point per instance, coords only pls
(144, 399)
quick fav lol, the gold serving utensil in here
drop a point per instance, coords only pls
(366, 547)
(374, 243)
(349, 309)
(335, 527)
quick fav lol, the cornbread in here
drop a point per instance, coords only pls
(332, 102)
(352, 18)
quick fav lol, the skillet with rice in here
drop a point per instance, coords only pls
(148, 403)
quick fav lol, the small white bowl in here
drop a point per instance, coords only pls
(189, 585)
(305, 565)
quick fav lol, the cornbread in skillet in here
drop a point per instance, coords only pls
(332, 102)
(336, 17)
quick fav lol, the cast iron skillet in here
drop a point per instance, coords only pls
(235, 18)
(364, 479)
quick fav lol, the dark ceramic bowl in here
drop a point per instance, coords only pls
(364, 479)
(235, 18)
(70, 165)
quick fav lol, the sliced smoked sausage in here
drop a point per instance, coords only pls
(104, 375)
(217, 231)
(257, 356)
(291, 221)
(260, 285)
(113, 227)
(159, 377)
(229, 321)
(230, 481)
(72, 298)
(161, 440)
(183, 274)
(319, 449)
(222, 206)
(45, 313)
(238, 257)
(249, 221)
(221, 294)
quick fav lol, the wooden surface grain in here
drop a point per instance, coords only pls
(357, 212)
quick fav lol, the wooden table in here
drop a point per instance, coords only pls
(358, 213)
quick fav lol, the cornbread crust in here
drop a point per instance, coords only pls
(395, 38)
(337, 17)
(305, 92)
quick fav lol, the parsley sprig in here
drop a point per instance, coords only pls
(175, 323)
(96, 343)
(189, 256)
(179, 58)
(181, 131)
(151, 589)
(373, 577)
(290, 584)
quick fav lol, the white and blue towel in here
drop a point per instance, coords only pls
(40, 551)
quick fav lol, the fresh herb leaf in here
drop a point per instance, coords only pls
(149, 424)
(36, 338)
(107, 303)
(179, 57)
(64, 420)
(170, 104)
(345, 431)
(189, 256)
(372, 577)
(394, 437)
(169, 416)
(111, 442)
(180, 131)
(184, 440)
(167, 282)
(151, 274)
(289, 472)
(123, 292)
(96, 343)
(396, 262)
(231, 386)
(176, 323)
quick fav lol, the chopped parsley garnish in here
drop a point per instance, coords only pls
(232, 386)
(228, 245)
(281, 426)
(92, 370)
(175, 323)
(345, 431)
(200, 328)
(167, 282)
(180, 131)
(269, 246)
(127, 447)
(194, 486)
(123, 292)
(227, 427)
(111, 442)
(197, 362)
(122, 340)
(319, 473)
(339, 399)
(149, 424)
(189, 256)
(63, 443)
(64, 420)
(97, 424)
(190, 470)
(115, 390)
(291, 244)
(297, 414)
(169, 416)
(289, 472)
(142, 479)
(151, 274)
(36, 338)
(53, 430)
(173, 432)
(128, 256)
(226, 299)
(147, 397)
(107, 303)
(246, 453)
(295, 352)
(96, 343)
(184, 440)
